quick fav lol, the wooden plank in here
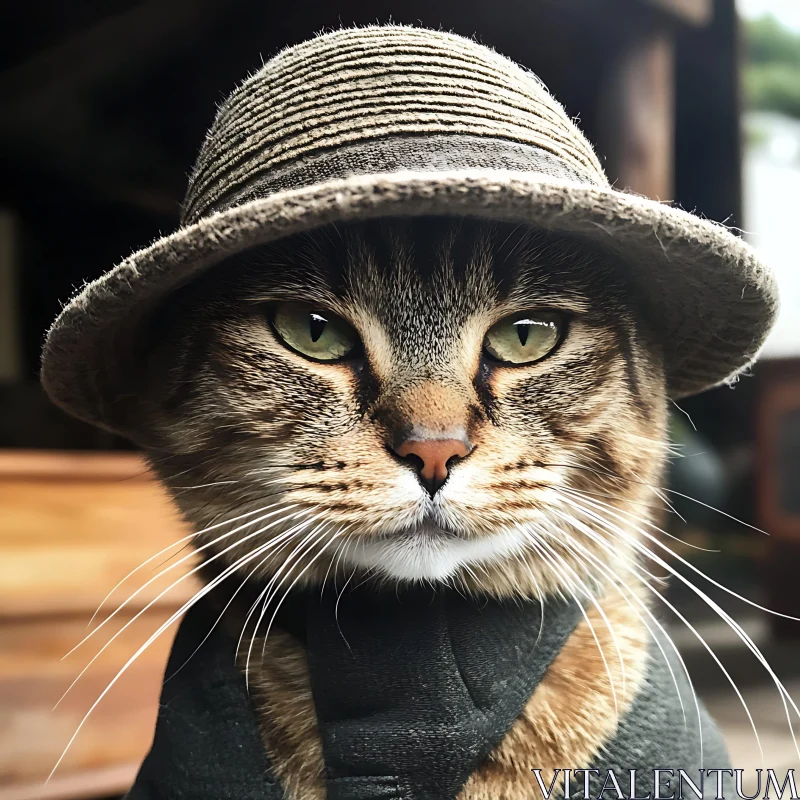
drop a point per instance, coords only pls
(102, 782)
(73, 525)
(33, 677)
(708, 142)
(65, 465)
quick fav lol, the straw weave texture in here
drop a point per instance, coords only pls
(359, 85)
(387, 121)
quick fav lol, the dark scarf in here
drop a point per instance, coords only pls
(412, 691)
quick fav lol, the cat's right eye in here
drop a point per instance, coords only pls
(524, 338)
(313, 332)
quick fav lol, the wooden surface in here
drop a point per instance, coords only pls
(71, 527)
(103, 782)
(21, 465)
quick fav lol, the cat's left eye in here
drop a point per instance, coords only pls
(525, 337)
(313, 332)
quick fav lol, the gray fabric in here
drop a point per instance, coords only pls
(414, 688)
(401, 153)
(653, 734)
(402, 719)
(300, 120)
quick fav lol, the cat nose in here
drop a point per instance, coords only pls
(432, 458)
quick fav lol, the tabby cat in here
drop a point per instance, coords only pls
(420, 446)
(473, 407)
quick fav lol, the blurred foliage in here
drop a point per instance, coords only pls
(772, 66)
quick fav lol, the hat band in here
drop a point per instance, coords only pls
(413, 153)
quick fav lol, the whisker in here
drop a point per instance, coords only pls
(294, 583)
(538, 542)
(202, 592)
(718, 511)
(176, 564)
(615, 512)
(297, 531)
(666, 501)
(187, 538)
(299, 551)
(202, 486)
(635, 518)
(336, 608)
(133, 619)
(741, 633)
(259, 565)
(625, 591)
(613, 476)
(336, 552)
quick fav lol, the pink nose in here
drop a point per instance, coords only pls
(432, 457)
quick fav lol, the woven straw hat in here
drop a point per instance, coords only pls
(379, 121)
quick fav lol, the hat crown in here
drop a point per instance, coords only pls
(354, 90)
(376, 122)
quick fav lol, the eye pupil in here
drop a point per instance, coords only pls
(312, 331)
(316, 326)
(524, 338)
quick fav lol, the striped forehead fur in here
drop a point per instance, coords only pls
(251, 425)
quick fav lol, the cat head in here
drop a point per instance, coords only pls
(423, 399)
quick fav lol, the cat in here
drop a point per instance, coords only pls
(452, 403)
(420, 446)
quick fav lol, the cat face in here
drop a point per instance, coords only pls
(418, 400)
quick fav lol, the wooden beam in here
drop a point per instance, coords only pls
(74, 524)
(636, 114)
(696, 12)
(628, 14)
(708, 144)
(63, 465)
(10, 344)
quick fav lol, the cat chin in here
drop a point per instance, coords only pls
(429, 554)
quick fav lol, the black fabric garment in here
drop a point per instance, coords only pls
(411, 690)
(207, 744)
(654, 734)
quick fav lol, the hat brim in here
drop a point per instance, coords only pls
(706, 294)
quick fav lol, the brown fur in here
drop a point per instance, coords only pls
(281, 692)
(572, 713)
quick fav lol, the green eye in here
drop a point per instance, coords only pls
(313, 332)
(524, 338)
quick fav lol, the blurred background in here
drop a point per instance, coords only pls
(104, 106)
